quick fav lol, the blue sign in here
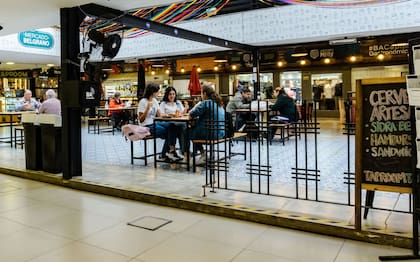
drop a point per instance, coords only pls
(36, 39)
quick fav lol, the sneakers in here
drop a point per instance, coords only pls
(173, 156)
(202, 160)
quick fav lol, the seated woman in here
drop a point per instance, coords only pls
(208, 110)
(171, 105)
(148, 109)
(119, 117)
(286, 106)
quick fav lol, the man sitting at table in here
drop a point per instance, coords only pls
(241, 100)
(27, 103)
(51, 105)
(119, 117)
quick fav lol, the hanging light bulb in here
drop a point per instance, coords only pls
(167, 71)
(216, 68)
(199, 69)
(182, 70)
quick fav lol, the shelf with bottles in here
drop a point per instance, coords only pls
(45, 82)
(10, 103)
(127, 88)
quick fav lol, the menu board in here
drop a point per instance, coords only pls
(385, 137)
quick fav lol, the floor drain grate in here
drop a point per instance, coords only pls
(149, 222)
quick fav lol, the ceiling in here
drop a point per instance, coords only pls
(22, 15)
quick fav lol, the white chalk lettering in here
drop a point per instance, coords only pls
(390, 140)
(386, 177)
(387, 113)
(390, 151)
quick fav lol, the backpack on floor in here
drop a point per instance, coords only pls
(134, 132)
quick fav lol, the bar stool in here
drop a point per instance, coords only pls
(21, 140)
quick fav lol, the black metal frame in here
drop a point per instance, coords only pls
(416, 182)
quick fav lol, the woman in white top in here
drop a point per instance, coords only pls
(148, 109)
(171, 105)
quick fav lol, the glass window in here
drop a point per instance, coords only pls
(292, 83)
(266, 83)
(326, 89)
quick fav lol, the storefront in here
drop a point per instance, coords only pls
(12, 87)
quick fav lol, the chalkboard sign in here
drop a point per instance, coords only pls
(384, 134)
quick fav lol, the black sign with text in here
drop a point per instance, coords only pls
(386, 136)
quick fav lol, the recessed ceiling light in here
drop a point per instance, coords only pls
(10, 63)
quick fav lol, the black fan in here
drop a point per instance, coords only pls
(111, 46)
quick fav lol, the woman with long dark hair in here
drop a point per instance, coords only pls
(210, 116)
(148, 109)
(171, 105)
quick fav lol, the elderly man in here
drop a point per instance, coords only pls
(52, 105)
(27, 103)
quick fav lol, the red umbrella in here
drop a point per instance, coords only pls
(194, 84)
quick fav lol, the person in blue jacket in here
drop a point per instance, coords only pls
(210, 118)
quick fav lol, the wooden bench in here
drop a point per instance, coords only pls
(96, 121)
(227, 140)
(283, 127)
(146, 155)
(19, 141)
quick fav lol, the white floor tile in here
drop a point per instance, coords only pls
(127, 240)
(8, 227)
(28, 243)
(366, 252)
(80, 252)
(190, 249)
(229, 231)
(35, 214)
(9, 202)
(297, 245)
(76, 224)
(252, 256)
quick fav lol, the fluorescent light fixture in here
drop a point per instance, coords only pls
(220, 59)
(50, 65)
(299, 52)
(399, 44)
(345, 41)
(10, 63)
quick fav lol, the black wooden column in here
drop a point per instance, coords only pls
(70, 19)
(256, 72)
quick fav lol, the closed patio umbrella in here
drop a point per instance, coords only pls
(194, 84)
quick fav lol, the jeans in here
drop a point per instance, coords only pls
(164, 130)
(180, 131)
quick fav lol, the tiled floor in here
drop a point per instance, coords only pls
(106, 160)
(42, 222)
